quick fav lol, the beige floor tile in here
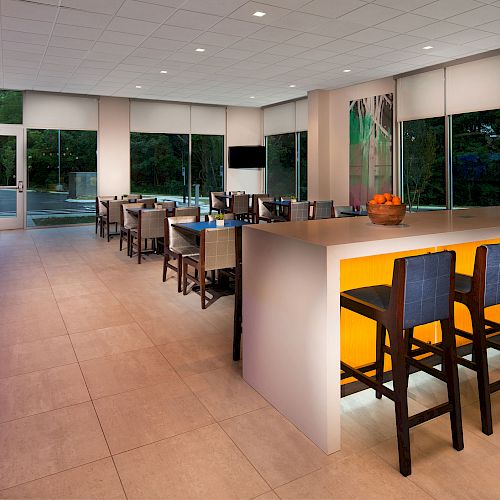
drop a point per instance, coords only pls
(28, 330)
(51, 442)
(92, 312)
(359, 476)
(79, 289)
(108, 341)
(140, 417)
(279, 451)
(472, 419)
(199, 355)
(33, 296)
(270, 495)
(34, 356)
(37, 310)
(97, 480)
(41, 391)
(199, 464)
(125, 371)
(225, 393)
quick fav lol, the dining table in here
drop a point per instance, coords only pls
(354, 213)
(195, 229)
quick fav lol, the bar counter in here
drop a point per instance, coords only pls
(292, 277)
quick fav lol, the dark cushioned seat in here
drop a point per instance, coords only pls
(463, 283)
(378, 295)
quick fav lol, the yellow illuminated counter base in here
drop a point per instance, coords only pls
(292, 277)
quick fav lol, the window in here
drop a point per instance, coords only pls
(62, 178)
(207, 166)
(286, 169)
(8, 197)
(423, 158)
(11, 106)
(159, 165)
(475, 157)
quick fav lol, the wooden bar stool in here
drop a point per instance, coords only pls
(477, 292)
(421, 292)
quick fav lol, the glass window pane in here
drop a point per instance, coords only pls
(303, 166)
(11, 106)
(62, 176)
(159, 165)
(8, 197)
(207, 167)
(280, 150)
(475, 153)
(424, 179)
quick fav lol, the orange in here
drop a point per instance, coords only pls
(372, 202)
(388, 203)
(388, 196)
(396, 200)
(379, 199)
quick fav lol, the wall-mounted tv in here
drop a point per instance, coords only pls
(247, 157)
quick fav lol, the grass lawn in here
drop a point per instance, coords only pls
(63, 221)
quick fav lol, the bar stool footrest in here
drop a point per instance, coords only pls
(495, 386)
(370, 382)
(429, 414)
(427, 369)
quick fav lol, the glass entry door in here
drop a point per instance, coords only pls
(11, 178)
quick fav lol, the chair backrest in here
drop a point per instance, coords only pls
(240, 204)
(340, 209)
(236, 192)
(210, 218)
(254, 206)
(215, 202)
(175, 238)
(100, 208)
(151, 223)
(126, 197)
(187, 211)
(428, 287)
(491, 273)
(149, 202)
(218, 248)
(323, 210)
(263, 210)
(299, 210)
(114, 210)
(129, 221)
(168, 205)
(285, 198)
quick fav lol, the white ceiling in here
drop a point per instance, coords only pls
(107, 47)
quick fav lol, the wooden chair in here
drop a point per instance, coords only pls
(217, 252)
(422, 292)
(477, 293)
(191, 211)
(254, 206)
(265, 214)
(127, 223)
(169, 206)
(240, 206)
(100, 210)
(323, 210)
(149, 227)
(111, 216)
(340, 209)
(177, 245)
(128, 197)
(149, 202)
(216, 203)
(298, 210)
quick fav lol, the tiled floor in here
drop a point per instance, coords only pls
(112, 385)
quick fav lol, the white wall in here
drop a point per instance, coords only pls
(244, 128)
(113, 146)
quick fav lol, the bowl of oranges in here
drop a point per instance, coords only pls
(386, 209)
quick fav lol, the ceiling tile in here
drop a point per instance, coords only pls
(370, 35)
(273, 34)
(217, 39)
(441, 9)
(309, 40)
(337, 29)
(217, 7)
(82, 18)
(235, 27)
(252, 44)
(177, 33)
(145, 11)
(316, 54)
(333, 9)
(370, 51)
(134, 26)
(493, 27)
(285, 50)
(405, 23)
(113, 48)
(26, 25)
(25, 47)
(76, 31)
(300, 21)
(70, 43)
(370, 14)
(234, 54)
(18, 36)
(288, 4)
(194, 20)
(436, 30)
(162, 44)
(465, 36)
(245, 13)
(64, 52)
(28, 10)
(401, 41)
(123, 38)
(475, 17)
(99, 6)
(492, 42)
(342, 45)
(403, 4)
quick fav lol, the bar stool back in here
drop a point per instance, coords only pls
(422, 291)
(478, 292)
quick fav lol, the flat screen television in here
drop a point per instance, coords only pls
(247, 157)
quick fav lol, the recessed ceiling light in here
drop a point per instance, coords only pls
(347, 71)
(292, 86)
(138, 86)
(200, 50)
(252, 97)
(259, 14)
(164, 71)
(428, 47)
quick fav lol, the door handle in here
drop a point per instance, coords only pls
(20, 186)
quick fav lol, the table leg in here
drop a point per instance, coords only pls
(237, 298)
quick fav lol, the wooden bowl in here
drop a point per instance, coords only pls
(386, 215)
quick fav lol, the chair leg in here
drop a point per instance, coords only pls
(202, 290)
(121, 241)
(107, 227)
(96, 222)
(179, 273)
(379, 369)
(483, 379)
(401, 401)
(165, 263)
(184, 278)
(408, 344)
(451, 371)
(139, 249)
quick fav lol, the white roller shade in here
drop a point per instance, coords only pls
(473, 86)
(279, 119)
(59, 111)
(159, 117)
(301, 115)
(208, 120)
(421, 96)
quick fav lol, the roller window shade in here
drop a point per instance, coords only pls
(59, 111)
(301, 115)
(159, 117)
(279, 119)
(421, 96)
(473, 86)
(208, 120)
